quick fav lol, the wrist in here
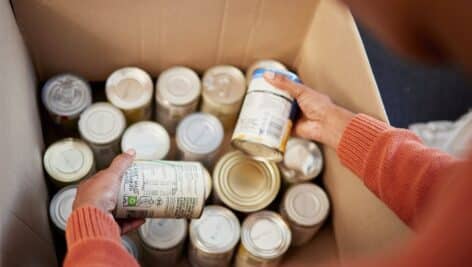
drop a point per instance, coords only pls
(336, 122)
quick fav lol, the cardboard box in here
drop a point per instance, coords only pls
(316, 38)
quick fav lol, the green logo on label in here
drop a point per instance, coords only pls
(132, 200)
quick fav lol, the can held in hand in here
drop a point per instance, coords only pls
(162, 189)
(65, 96)
(265, 238)
(223, 92)
(131, 247)
(305, 207)
(149, 139)
(177, 93)
(163, 241)
(199, 138)
(101, 126)
(303, 161)
(68, 161)
(60, 207)
(130, 89)
(213, 237)
(266, 118)
(245, 184)
(263, 64)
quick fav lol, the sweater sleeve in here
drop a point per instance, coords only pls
(93, 239)
(393, 164)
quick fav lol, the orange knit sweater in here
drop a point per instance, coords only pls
(428, 190)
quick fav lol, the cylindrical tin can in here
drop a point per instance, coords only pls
(60, 207)
(149, 139)
(177, 93)
(245, 184)
(68, 161)
(163, 241)
(303, 161)
(304, 207)
(162, 189)
(263, 64)
(213, 237)
(224, 87)
(265, 238)
(130, 89)
(208, 184)
(65, 96)
(101, 126)
(199, 138)
(266, 118)
(131, 247)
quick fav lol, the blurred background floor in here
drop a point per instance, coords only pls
(415, 93)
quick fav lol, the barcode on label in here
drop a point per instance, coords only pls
(275, 129)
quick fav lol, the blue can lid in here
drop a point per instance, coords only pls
(292, 76)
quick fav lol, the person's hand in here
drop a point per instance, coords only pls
(321, 119)
(101, 190)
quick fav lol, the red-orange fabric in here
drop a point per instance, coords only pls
(426, 188)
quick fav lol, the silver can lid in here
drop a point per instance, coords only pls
(224, 84)
(302, 161)
(264, 64)
(101, 123)
(60, 207)
(306, 204)
(199, 133)
(130, 246)
(129, 88)
(178, 86)
(266, 235)
(163, 234)
(150, 140)
(216, 231)
(66, 95)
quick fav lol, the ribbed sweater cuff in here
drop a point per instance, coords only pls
(90, 222)
(357, 141)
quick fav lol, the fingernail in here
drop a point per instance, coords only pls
(269, 75)
(131, 152)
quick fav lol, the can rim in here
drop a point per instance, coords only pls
(179, 234)
(266, 64)
(244, 145)
(238, 82)
(130, 246)
(186, 131)
(56, 202)
(192, 92)
(160, 142)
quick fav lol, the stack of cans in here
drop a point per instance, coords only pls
(204, 202)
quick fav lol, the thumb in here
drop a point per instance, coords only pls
(283, 83)
(122, 162)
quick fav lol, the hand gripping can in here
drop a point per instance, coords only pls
(266, 118)
(162, 189)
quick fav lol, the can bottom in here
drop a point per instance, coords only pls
(258, 151)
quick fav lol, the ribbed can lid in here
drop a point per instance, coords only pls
(129, 88)
(199, 133)
(264, 64)
(178, 86)
(60, 207)
(163, 234)
(224, 84)
(101, 123)
(150, 140)
(303, 160)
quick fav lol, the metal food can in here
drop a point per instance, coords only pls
(304, 207)
(163, 241)
(263, 64)
(131, 247)
(213, 237)
(65, 96)
(60, 207)
(162, 189)
(177, 93)
(208, 184)
(130, 89)
(68, 161)
(199, 138)
(224, 87)
(265, 237)
(101, 126)
(245, 184)
(303, 161)
(266, 118)
(149, 139)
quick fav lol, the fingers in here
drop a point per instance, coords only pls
(130, 224)
(282, 82)
(122, 162)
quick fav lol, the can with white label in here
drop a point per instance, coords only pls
(177, 93)
(263, 64)
(213, 237)
(163, 241)
(101, 126)
(266, 118)
(131, 247)
(303, 161)
(199, 138)
(162, 189)
(304, 207)
(130, 89)
(149, 139)
(265, 237)
(245, 184)
(223, 91)
(60, 207)
(65, 96)
(68, 161)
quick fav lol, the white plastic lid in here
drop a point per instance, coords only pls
(178, 86)
(101, 123)
(150, 140)
(199, 133)
(129, 88)
(224, 84)
(60, 207)
(163, 233)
